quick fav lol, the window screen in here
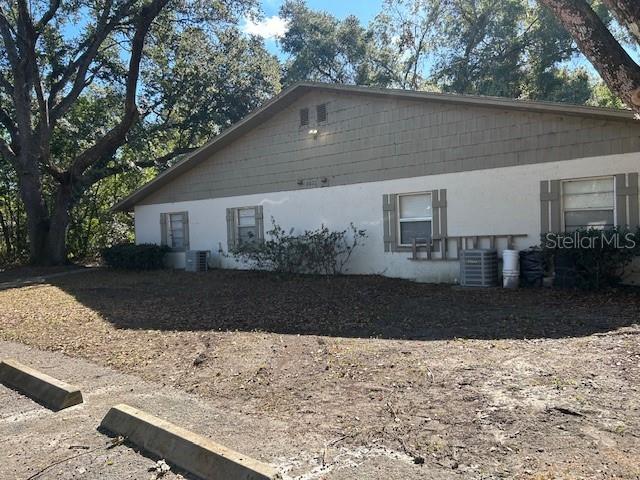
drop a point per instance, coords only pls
(415, 217)
(588, 203)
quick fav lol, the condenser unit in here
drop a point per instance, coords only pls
(479, 268)
(196, 261)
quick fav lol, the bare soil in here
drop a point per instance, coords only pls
(453, 382)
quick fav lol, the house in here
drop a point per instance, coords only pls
(412, 168)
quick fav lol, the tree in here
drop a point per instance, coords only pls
(409, 29)
(597, 42)
(108, 73)
(323, 48)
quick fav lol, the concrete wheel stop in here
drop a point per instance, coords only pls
(48, 391)
(194, 453)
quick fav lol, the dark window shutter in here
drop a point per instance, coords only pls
(627, 200)
(164, 240)
(550, 209)
(321, 113)
(185, 229)
(260, 223)
(304, 117)
(389, 221)
(439, 206)
(231, 228)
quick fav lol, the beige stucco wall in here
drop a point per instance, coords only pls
(373, 138)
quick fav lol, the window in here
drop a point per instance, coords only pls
(588, 203)
(244, 226)
(174, 230)
(304, 117)
(321, 113)
(415, 217)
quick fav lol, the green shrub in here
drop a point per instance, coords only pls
(319, 251)
(597, 257)
(128, 256)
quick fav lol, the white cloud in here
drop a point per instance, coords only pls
(270, 27)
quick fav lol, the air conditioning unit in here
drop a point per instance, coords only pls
(479, 268)
(196, 261)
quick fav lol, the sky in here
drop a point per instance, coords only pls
(271, 26)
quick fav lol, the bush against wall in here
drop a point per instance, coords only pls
(319, 251)
(128, 256)
(597, 257)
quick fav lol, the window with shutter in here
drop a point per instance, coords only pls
(407, 216)
(244, 226)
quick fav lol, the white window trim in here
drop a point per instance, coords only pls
(412, 219)
(563, 210)
(237, 221)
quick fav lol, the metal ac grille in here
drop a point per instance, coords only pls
(479, 268)
(196, 261)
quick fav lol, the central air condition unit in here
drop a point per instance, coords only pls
(196, 261)
(479, 268)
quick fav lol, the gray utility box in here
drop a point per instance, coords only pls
(479, 268)
(196, 261)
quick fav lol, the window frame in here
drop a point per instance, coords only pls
(564, 210)
(401, 220)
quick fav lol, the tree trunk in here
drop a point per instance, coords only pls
(57, 237)
(616, 67)
(47, 232)
(37, 216)
(6, 235)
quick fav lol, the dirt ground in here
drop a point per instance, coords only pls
(15, 274)
(398, 379)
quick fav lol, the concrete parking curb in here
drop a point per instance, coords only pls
(46, 390)
(192, 452)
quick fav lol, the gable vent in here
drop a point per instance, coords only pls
(321, 113)
(304, 117)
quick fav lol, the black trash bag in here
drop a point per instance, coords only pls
(531, 268)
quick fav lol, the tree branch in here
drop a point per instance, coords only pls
(113, 139)
(9, 124)
(628, 14)
(48, 15)
(81, 65)
(7, 152)
(6, 85)
(609, 58)
(9, 41)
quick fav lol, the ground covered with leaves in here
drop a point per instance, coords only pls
(478, 383)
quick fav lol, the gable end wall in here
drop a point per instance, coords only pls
(369, 138)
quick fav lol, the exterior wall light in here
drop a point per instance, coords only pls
(313, 132)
